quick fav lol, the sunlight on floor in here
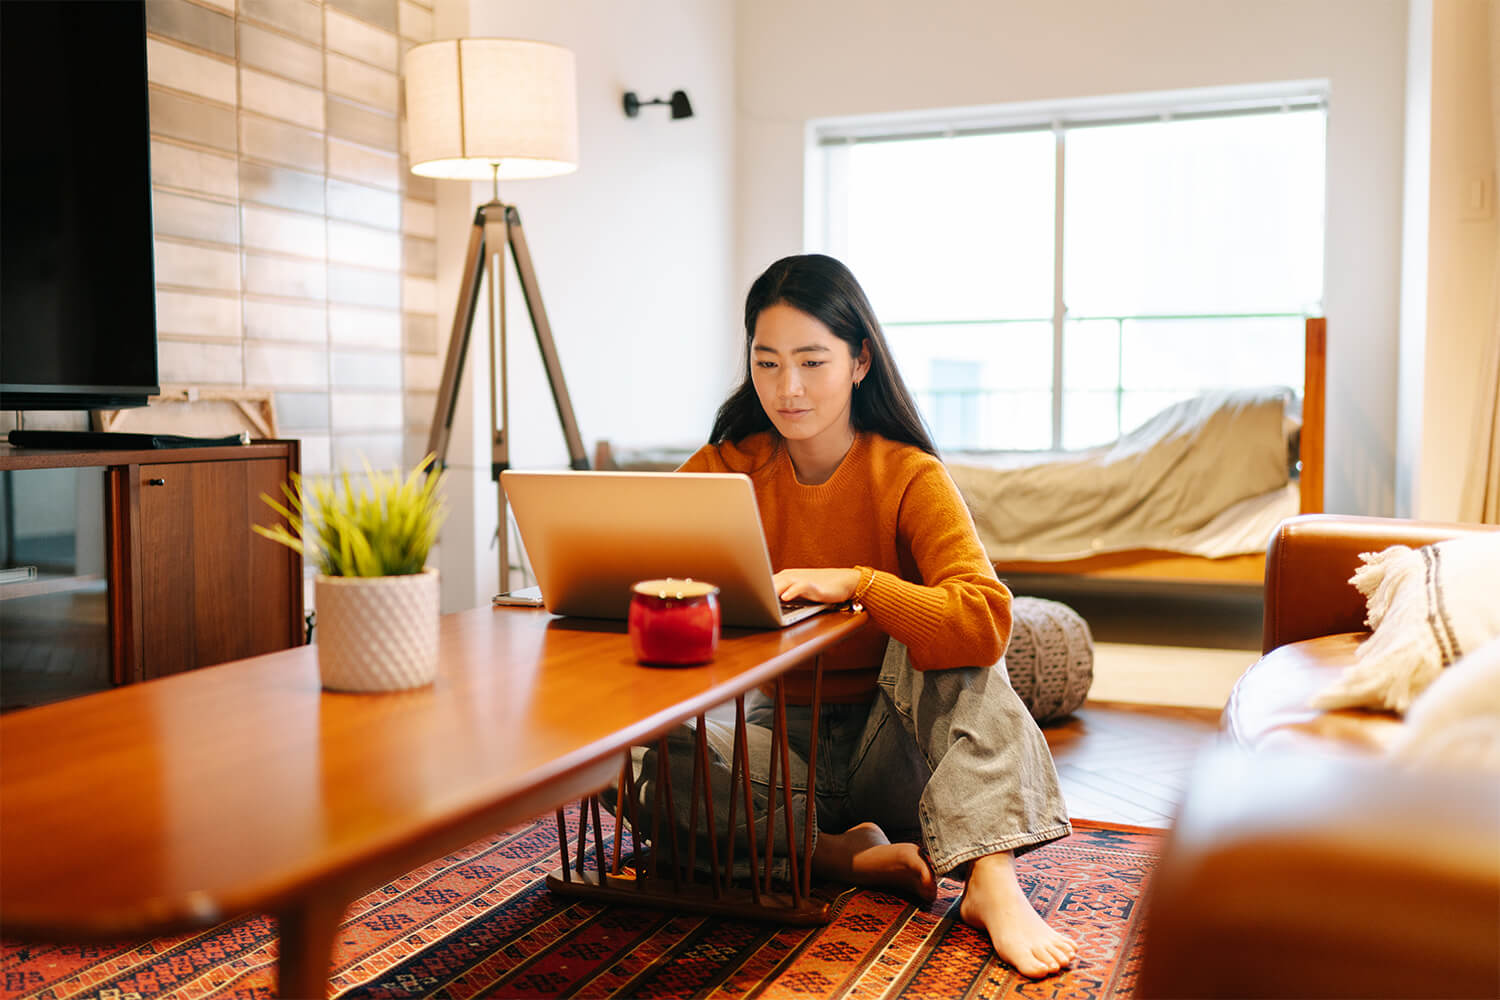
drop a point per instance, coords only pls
(1166, 675)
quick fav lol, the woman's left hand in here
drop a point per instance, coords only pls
(818, 586)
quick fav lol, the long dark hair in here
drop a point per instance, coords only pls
(826, 290)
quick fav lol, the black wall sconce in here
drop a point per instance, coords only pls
(678, 103)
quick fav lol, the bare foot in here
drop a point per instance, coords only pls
(864, 855)
(994, 902)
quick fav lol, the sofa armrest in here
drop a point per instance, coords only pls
(1297, 875)
(1270, 706)
(1310, 559)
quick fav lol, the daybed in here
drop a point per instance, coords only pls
(1192, 495)
(1315, 855)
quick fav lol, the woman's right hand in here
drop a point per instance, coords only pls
(817, 586)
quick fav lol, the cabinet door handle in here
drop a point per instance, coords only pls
(156, 482)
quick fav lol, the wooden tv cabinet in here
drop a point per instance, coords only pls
(189, 584)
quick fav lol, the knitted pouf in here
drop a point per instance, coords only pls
(1051, 657)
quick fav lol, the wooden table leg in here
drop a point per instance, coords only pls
(811, 816)
(307, 931)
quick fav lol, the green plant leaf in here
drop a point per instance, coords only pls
(386, 528)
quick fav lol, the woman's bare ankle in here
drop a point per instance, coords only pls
(863, 855)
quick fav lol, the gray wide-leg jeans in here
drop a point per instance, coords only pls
(948, 759)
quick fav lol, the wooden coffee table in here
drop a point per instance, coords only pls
(245, 788)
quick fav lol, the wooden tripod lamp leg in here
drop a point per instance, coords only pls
(496, 237)
(497, 226)
(458, 343)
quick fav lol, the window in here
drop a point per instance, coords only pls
(1187, 243)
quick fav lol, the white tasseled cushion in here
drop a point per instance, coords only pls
(1428, 607)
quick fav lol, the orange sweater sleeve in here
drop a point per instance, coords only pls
(960, 614)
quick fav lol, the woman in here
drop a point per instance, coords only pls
(918, 734)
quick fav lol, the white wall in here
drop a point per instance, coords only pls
(799, 61)
(1412, 339)
(1447, 308)
(633, 252)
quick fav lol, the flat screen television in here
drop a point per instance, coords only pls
(77, 286)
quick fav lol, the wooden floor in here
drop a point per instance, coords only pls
(1127, 763)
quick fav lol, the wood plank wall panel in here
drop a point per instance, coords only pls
(353, 325)
(280, 55)
(192, 25)
(284, 258)
(352, 37)
(178, 116)
(418, 232)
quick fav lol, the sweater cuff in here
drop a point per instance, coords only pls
(866, 577)
(899, 606)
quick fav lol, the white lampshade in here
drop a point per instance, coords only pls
(472, 103)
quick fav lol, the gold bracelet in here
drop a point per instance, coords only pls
(866, 578)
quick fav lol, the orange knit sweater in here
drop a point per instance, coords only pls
(891, 507)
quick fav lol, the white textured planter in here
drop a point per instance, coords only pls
(377, 633)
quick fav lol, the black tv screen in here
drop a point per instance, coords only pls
(77, 288)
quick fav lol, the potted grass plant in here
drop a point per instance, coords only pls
(377, 602)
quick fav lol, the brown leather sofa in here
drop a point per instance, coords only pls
(1303, 861)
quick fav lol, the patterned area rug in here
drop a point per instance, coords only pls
(481, 923)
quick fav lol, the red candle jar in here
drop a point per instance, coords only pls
(674, 623)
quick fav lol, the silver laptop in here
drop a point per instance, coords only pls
(590, 535)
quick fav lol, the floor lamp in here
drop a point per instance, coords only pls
(492, 109)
